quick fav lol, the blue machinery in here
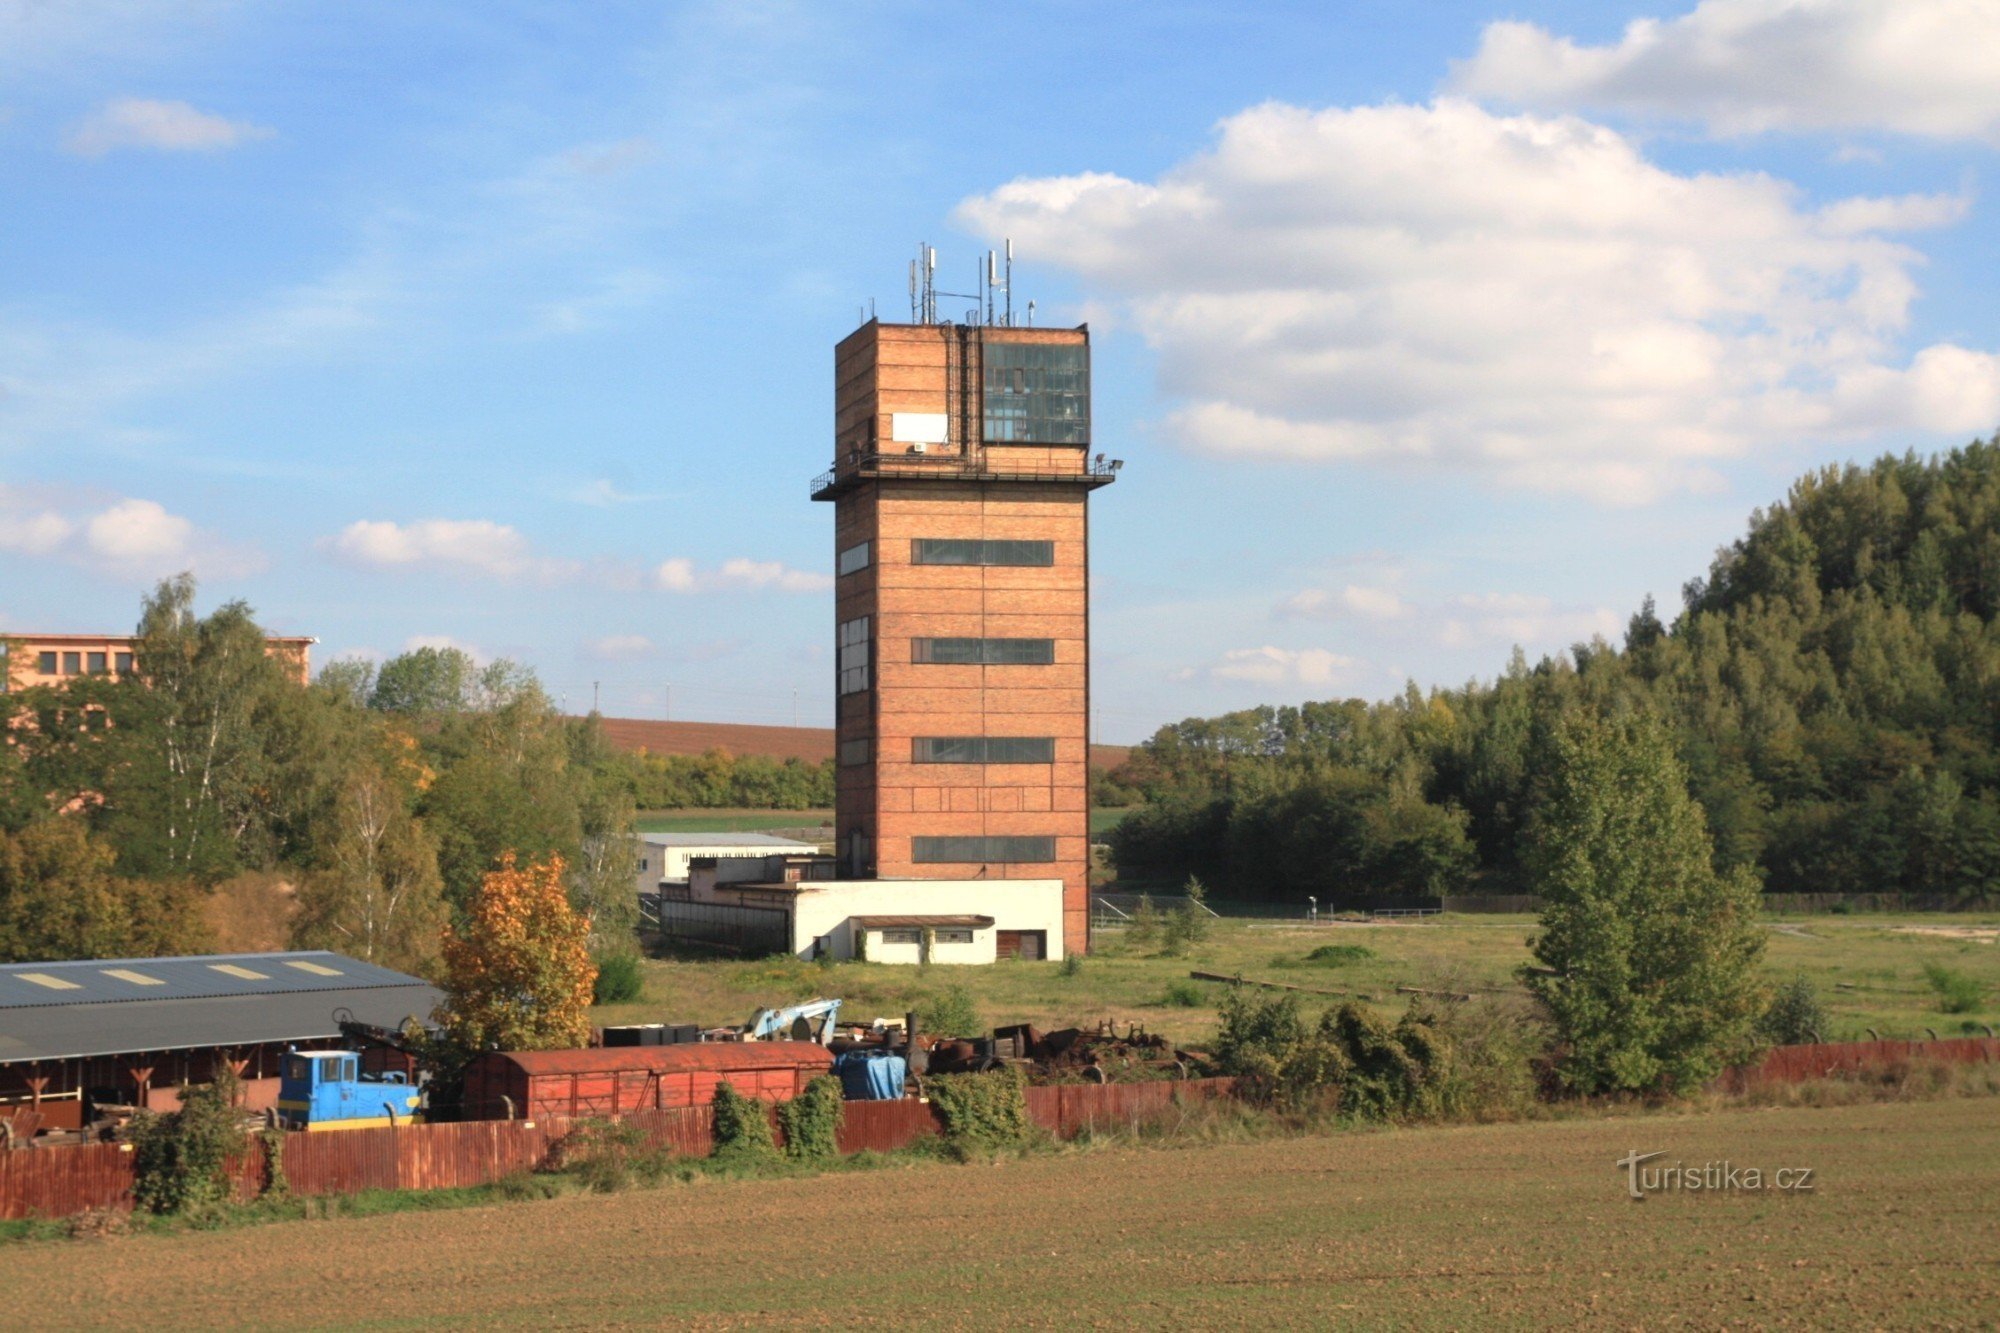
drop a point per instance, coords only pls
(326, 1090)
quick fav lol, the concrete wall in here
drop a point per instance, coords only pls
(657, 862)
(823, 913)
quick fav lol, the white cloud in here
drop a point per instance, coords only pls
(1922, 67)
(172, 127)
(1352, 600)
(1527, 297)
(621, 648)
(1282, 666)
(604, 494)
(478, 546)
(1529, 621)
(443, 641)
(738, 574)
(127, 538)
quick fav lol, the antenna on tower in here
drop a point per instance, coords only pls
(1009, 288)
(913, 293)
(992, 281)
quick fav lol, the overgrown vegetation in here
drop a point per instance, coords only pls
(1957, 993)
(811, 1121)
(1795, 1016)
(983, 1113)
(742, 1129)
(1825, 686)
(180, 1159)
(950, 1012)
(1339, 955)
(1350, 1061)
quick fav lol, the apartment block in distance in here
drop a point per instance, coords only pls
(50, 659)
(961, 484)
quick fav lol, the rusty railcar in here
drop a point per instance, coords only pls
(617, 1080)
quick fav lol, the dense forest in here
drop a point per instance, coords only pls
(378, 797)
(1832, 685)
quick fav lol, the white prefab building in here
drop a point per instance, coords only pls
(663, 857)
(793, 904)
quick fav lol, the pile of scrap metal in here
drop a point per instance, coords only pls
(1069, 1055)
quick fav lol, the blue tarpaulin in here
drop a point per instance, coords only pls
(871, 1076)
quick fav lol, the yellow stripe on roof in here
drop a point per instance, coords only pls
(127, 974)
(233, 970)
(317, 969)
(44, 979)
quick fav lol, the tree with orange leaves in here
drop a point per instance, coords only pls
(518, 977)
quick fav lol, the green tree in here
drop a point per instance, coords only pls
(433, 681)
(1648, 957)
(375, 893)
(60, 899)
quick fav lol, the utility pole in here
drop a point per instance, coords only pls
(593, 696)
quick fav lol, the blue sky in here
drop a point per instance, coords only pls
(1425, 330)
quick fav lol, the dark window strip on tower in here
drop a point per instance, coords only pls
(988, 850)
(974, 551)
(983, 750)
(983, 652)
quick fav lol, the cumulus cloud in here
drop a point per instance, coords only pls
(1529, 621)
(131, 537)
(738, 574)
(1920, 67)
(621, 648)
(172, 127)
(1527, 296)
(1354, 600)
(1282, 666)
(478, 546)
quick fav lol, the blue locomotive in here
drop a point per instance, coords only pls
(326, 1090)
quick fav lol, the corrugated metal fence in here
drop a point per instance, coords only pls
(56, 1182)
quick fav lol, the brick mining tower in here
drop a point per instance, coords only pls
(961, 485)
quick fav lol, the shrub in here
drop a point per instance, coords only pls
(1352, 1059)
(180, 1159)
(1795, 1016)
(949, 1013)
(1144, 932)
(1339, 955)
(1187, 924)
(1185, 995)
(1497, 1045)
(811, 1121)
(1072, 965)
(603, 1155)
(983, 1112)
(619, 979)
(742, 1128)
(1957, 993)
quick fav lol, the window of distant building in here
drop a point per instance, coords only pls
(853, 663)
(124, 664)
(988, 850)
(99, 663)
(973, 551)
(1037, 393)
(952, 936)
(72, 664)
(853, 752)
(900, 936)
(983, 750)
(854, 559)
(46, 663)
(984, 652)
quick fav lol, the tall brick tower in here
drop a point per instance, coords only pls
(961, 480)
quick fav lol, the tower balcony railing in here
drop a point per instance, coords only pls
(1097, 471)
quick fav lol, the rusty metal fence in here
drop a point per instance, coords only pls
(57, 1182)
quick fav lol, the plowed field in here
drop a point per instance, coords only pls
(1477, 1227)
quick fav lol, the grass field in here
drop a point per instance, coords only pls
(1497, 1226)
(1869, 971)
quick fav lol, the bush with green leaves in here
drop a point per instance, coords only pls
(1144, 932)
(1185, 995)
(605, 1155)
(950, 1012)
(983, 1113)
(1351, 1060)
(1957, 993)
(811, 1121)
(742, 1131)
(1339, 955)
(180, 1159)
(619, 979)
(1795, 1016)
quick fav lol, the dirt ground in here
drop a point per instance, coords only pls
(1512, 1226)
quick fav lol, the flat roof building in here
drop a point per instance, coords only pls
(961, 480)
(50, 659)
(132, 1030)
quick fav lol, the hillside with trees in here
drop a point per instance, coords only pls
(1831, 685)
